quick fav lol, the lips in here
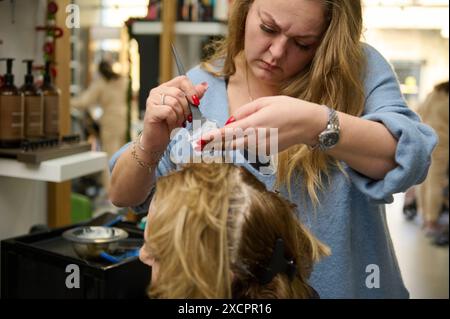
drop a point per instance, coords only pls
(268, 66)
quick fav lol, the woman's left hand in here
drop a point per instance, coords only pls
(297, 122)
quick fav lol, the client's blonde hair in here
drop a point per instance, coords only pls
(213, 230)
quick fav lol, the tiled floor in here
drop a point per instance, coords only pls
(424, 266)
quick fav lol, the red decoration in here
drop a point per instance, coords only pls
(52, 32)
(49, 48)
(55, 32)
(54, 72)
(52, 7)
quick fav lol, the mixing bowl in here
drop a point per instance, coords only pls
(90, 241)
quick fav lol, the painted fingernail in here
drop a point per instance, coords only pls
(195, 100)
(230, 120)
(202, 143)
(184, 124)
(189, 118)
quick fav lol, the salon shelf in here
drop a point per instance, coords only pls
(200, 28)
(56, 170)
(181, 28)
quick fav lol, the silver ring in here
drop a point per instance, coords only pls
(163, 96)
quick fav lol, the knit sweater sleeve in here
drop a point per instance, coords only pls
(89, 97)
(384, 103)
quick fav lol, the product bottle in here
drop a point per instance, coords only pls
(33, 105)
(51, 105)
(11, 111)
(221, 8)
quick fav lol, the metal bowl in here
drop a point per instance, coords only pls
(90, 241)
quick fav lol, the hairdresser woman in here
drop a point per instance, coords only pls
(299, 66)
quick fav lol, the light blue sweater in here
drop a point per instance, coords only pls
(351, 217)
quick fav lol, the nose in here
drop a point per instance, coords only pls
(278, 47)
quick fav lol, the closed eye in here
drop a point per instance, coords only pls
(267, 29)
(302, 46)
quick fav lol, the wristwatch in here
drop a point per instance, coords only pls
(330, 136)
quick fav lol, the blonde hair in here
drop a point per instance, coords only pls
(334, 78)
(213, 230)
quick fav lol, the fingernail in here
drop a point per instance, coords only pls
(189, 118)
(184, 124)
(205, 85)
(195, 100)
(230, 120)
(202, 143)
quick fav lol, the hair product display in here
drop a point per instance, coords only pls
(51, 104)
(33, 105)
(11, 111)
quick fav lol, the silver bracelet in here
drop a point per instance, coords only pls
(153, 155)
(141, 163)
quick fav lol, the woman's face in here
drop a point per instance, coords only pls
(282, 36)
(144, 254)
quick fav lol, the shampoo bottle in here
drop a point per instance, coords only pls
(51, 105)
(33, 105)
(11, 111)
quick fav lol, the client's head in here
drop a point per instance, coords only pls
(215, 231)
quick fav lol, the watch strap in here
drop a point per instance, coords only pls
(333, 123)
(333, 118)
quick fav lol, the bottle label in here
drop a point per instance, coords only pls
(11, 117)
(51, 114)
(34, 122)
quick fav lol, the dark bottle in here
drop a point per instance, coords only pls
(51, 105)
(33, 105)
(11, 111)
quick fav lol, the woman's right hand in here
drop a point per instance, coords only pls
(167, 109)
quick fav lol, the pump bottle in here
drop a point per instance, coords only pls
(11, 111)
(33, 105)
(51, 105)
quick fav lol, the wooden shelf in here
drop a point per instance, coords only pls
(200, 28)
(56, 170)
(146, 27)
(181, 28)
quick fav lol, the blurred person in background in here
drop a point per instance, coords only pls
(109, 91)
(430, 198)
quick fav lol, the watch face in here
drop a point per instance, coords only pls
(328, 139)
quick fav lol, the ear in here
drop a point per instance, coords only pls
(145, 257)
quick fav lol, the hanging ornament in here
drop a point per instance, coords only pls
(52, 7)
(52, 32)
(49, 48)
(54, 72)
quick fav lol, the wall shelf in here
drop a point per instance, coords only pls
(56, 170)
(181, 28)
(200, 28)
(146, 27)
